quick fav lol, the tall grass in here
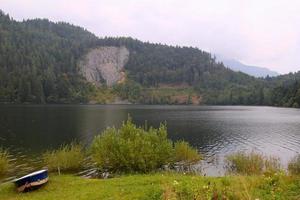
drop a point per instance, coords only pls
(185, 153)
(294, 166)
(251, 164)
(272, 165)
(4, 162)
(67, 158)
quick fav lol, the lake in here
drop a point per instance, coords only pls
(215, 130)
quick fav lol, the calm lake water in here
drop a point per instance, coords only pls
(215, 130)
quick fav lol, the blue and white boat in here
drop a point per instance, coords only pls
(32, 180)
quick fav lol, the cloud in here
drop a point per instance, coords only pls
(257, 32)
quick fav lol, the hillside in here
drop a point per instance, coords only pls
(285, 90)
(46, 62)
(38, 61)
(154, 66)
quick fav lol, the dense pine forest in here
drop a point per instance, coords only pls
(39, 64)
(38, 61)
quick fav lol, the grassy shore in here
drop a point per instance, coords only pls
(161, 186)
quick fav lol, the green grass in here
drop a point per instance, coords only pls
(186, 153)
(162, 186)
(294, 165)
(168, 95)
(252, 164)
(4, 162)
(66, 158)
(101, 95)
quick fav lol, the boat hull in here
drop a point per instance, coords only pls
(32, 181)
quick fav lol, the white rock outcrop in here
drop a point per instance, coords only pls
(105, 64)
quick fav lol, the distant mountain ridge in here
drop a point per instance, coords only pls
(248, 69)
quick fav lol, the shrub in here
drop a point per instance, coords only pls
(66, 158)
(251, 163)
(4, 162)
(135, 149)
(294, 165)
(185, 153)
(132, 148)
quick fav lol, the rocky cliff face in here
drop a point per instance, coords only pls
(105, 64)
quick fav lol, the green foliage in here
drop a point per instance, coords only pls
(243, 163)
(135, 149)
(273, 186)
(185, 153)
(286, 90)
(272, 165)
(276, 186)
(168, 95)
(39, 64)
(294, 165)
(38, 61)
(101, 95)
(130, 90)
(65, 159)
(132, 148)
(251, 164)
(152, 65)
(4, 162)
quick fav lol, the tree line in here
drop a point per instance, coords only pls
(39, 64)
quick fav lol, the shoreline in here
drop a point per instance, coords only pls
(137, 104)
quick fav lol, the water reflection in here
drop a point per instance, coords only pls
(215, 130)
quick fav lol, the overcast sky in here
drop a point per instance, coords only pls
(257, 32)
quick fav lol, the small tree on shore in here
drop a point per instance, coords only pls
(135, 149)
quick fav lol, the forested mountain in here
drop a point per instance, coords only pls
(40, 63)
(285, 90)
(38, 60)
(156, 65)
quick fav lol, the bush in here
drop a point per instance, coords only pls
(251, 163)
(294, 166)
(66, 158)
(132, 148)
(4, 162)
(185, 153)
